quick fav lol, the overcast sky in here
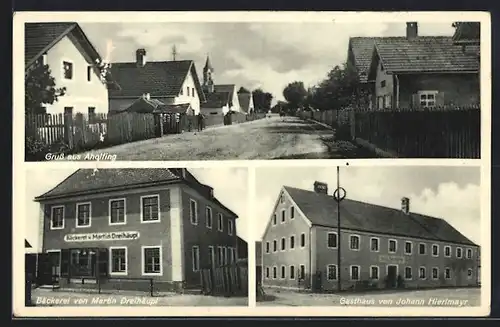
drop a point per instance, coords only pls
(451, 193)
(267, 55)
(230, 188)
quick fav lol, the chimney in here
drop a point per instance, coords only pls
(411, 30)
(405, 205)
(140, 57)
(320, 187)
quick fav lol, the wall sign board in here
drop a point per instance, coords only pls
(109, 236)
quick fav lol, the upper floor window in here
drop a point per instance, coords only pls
(274, 219)
(374, 244)
(302, 240)
(292, 212)
(435, 250)
(292, 242)
(469, 253)
(187, 91)
(422, 248)
(393, 246)
(150, 206)
(332, 240)
(208, 217)
(117, 212)
(275, 246)
(193, 212)
(68, 70)
(192, 92)
(220, 222)
(354, 242)
(408, 247)
(447, 251)
(230, 226)
(57, 217)
(283, 244)
(89, 73)
(267, 247)
(83, 212)
(382, 83)
(282, 198)
(459, 253)
(283, 215)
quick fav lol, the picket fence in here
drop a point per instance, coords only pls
(412, 133)
(230, 280)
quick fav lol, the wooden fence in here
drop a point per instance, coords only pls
(229, 280)
(437, 133)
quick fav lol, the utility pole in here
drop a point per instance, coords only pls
(174, 52)
(339, 195)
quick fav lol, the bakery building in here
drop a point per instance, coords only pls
(128, 226)
(380, 247)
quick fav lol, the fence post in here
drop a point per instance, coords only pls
(151, 288)
(68, 129)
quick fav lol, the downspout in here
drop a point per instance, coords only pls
(396, 79)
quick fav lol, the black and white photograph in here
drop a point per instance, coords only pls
(136, 237)
(189, 91)
(366, 236)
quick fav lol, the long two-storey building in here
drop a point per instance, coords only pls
(381, 247)
(129, 225)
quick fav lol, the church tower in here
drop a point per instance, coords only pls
(208, 75)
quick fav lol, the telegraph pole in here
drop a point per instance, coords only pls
(174, 52)
(339, 195)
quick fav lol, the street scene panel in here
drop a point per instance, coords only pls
(369, 236)
(233, 90)
(136, 237)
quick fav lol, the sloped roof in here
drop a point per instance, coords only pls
(90, 181)
(362, 50)
(321, 209)
(158, 78)
(144, 105)
(244, 99)
(217, 99)
(467, 32)
(225, 88)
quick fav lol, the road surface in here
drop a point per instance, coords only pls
(462, 297)
(267, 138)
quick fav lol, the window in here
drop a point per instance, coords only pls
(302, 272)
(57, 217)
(421, 273)
(89, 73)
(83, 212)
(211, 256)
(331, 272)
(447, 273)
(354, 272)
(68, 70)
(274, 219)
(208, 217)
(267, 247)
(292, 212)
(408, 247)
(220, 222)
(220, 256)
(469, 273)
(283, 244)
(292, 272)
(387, 101)
(224, 255)
(382, 83)
(422, 249)
(275, 272)
(117, 212)
(408, 274)
(283, 215)
(283, 272)
(151, 260)
(435, 250)
(469, 253)
(150, 206)
(187, 91)
(354, 242)
(282, 198)
(230, 226)
(302, 240)
(192, 92)
(267, 272)
(275, 246)
(193, 212)
(393, 246)
(459, 253)
(447, 251)
(435, 273)
(332, 240)
(292, 242)
(195, 257)
(374, 244)
(427, 99)
(118, 260)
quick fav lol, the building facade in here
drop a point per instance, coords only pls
(379, 247)
(127, 226)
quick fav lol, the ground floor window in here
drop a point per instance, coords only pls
(292, 272)
(435, 273)
(275, 272)
(421, 273)
(332, 272)
(469, 273)
(447, 273)
(374, 272)
(427, 99)
(195, 253)
(267, 272)
(302, 273)
(118, 260)
(408, 274)
(355, 272)
(283, 272)
(151, 260)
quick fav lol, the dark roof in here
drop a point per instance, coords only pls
(144, 105)
(467, 32)
(321, 209)
(90, 181)
(158, 78)
(216, 99)
(244, 99)
(27, 245)
(362, 50)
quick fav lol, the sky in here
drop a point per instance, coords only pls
(450, 193)
(250, 54)
(230, 188)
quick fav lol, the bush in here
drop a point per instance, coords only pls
(36, 150)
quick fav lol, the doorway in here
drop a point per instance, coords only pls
(392, 276)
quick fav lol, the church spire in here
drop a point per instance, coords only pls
(208, 64)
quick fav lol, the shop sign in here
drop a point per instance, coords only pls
(109, 236)
(396, 259)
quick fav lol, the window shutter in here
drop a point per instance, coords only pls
(415, 100)
(64, 262)
(440, 99)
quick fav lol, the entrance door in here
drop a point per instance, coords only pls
(392, 276)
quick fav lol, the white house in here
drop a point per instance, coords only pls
(71, 57)
(171, 82)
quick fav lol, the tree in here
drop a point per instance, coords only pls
(243, 90)
(262, 100)
(295, 93)
(40, 88)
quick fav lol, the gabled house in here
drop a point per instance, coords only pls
(246, 102)
(72, 59)
(382, 247)
(416, 71)
(128, 224)
(170, 82)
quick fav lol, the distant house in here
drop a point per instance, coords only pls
(221, 98)
(416, 71)
(246, 102)
(170, 82)
(71, 57)
(241, 248)
(258, 261)
(145, 104)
